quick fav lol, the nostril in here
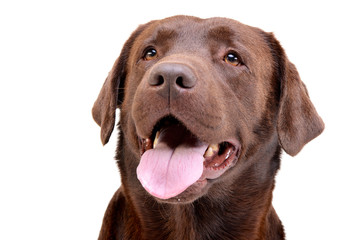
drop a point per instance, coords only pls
(160, 80)
(157, 80)
(185, 82)
(180, 82)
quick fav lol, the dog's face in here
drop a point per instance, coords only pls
(200, 101)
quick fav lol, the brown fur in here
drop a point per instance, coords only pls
(262, 103)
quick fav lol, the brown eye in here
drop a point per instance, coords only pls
(150, 54)
(232, 59)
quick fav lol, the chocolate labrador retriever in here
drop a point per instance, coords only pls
(207, 105)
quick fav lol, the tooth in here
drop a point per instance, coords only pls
(212, 149)
(215, 147)
(209, 152)
(147, 144)
(156, 139)
(228, 154)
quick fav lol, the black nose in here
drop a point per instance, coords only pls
(171, 79)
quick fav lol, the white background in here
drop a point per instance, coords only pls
(56, 179)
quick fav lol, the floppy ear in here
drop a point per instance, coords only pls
(298, 122)
(105, 105)
(112, 92)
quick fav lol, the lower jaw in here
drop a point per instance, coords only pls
(192, 193)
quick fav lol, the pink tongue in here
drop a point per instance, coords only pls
(173, 165)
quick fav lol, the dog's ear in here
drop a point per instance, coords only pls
(105, 105)
(298, 122)
(112, 92)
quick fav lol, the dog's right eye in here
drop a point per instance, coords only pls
(150, 54)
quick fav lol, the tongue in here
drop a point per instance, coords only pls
(173, 165)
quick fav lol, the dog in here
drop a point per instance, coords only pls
(206, 108)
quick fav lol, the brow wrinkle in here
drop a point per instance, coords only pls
(164, 35)
(222, 33)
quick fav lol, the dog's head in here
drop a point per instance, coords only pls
(199, 99)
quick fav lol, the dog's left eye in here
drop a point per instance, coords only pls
(150, 54)
(232, 58)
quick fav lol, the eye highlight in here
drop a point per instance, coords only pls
(150, 54)
(233, 59)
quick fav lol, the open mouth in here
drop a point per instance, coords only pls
(173, 159)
